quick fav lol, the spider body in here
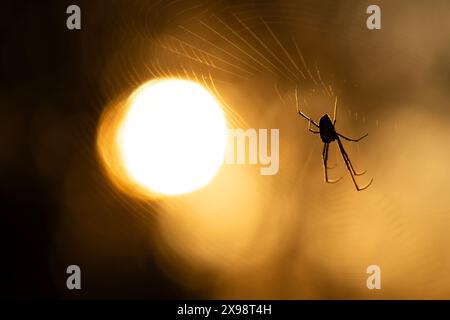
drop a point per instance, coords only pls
(326, 128)
(329, 134)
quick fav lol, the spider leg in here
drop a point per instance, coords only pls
(304, 115)
(335, 111)
(309, 119)
(325, 160)
(311, 129)
(349, 167)
(344, 154)
(353, 140)
(335, 164)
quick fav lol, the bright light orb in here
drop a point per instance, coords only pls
(173, 137)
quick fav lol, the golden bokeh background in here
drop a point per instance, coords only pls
(287, 236)
(291, 235)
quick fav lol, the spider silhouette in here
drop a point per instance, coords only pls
(328, 134)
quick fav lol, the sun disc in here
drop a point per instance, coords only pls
(173, 137)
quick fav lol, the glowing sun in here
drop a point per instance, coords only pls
(172, 137)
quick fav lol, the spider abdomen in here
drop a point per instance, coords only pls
(326, 128)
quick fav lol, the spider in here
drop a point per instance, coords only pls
(328, 134)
